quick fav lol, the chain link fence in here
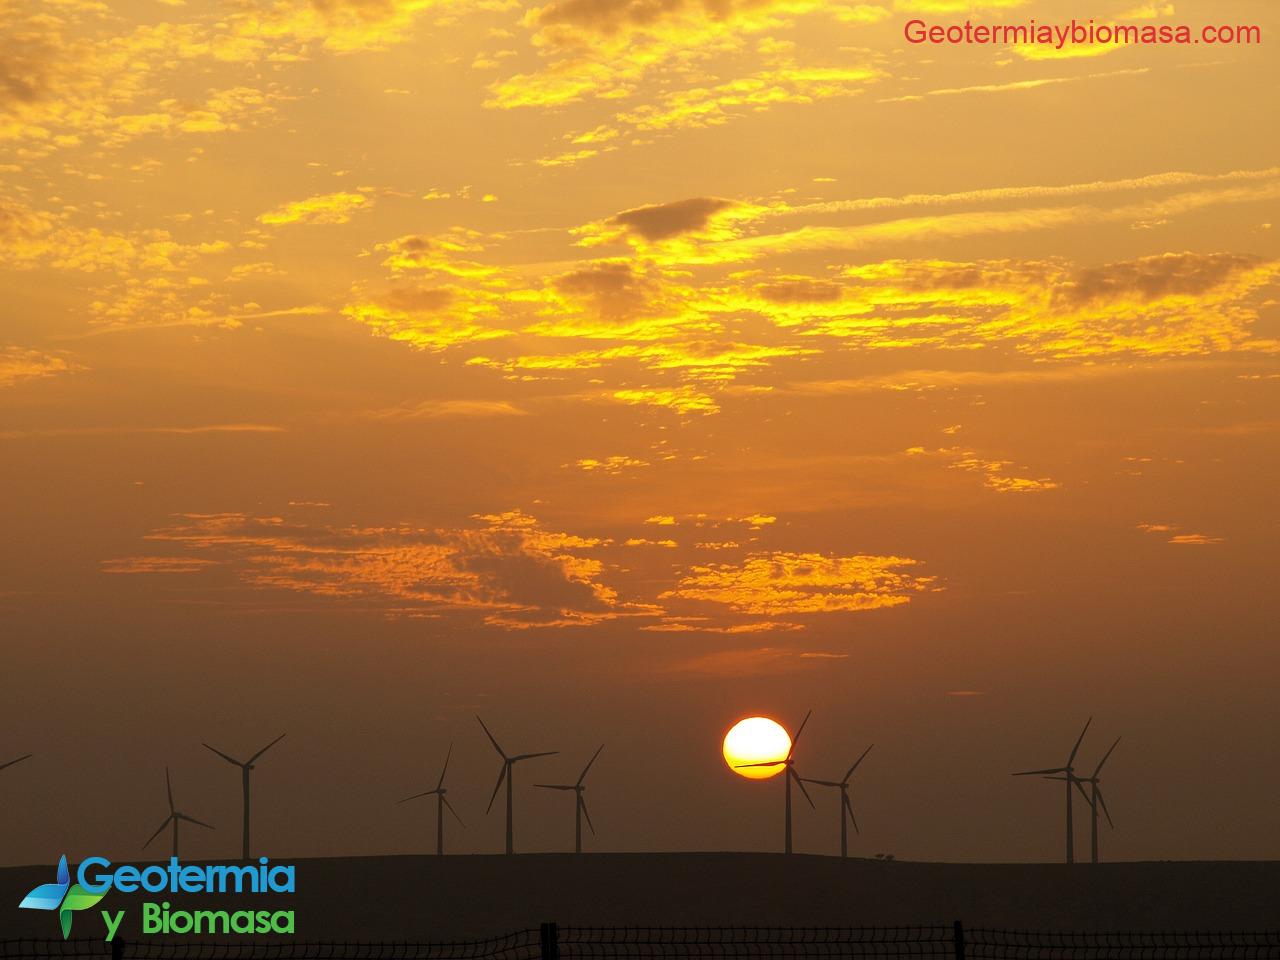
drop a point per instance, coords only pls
(551, 941)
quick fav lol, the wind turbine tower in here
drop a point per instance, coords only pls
(789, 774)
(846, 807)
(508, 774)
(246, 767)
(580, 803)
(174, 818)
(441, 802)
(1068, 771)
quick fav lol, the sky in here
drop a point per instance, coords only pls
(615, 370)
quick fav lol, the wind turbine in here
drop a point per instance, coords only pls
(245, 766)
(845, 806)
(1070, 779)
(789, 774)
(441, 802)
(580, 806)
(508, 774)
(1095, 799)
(25, 756)
(174, 817)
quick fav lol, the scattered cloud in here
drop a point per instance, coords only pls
(328, 208)
(507, 571)
(781, 583)
(753, 661)
(177, 565)
(1172, 536)
(20, 365)
(613, 465)
(1194, 539)
(449, 409)
(995, 473)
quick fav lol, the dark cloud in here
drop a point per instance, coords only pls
(420, 298)
(1150, 278)
(414, 244)
(609, 16)
(614, 288)
(659, 221)
(800, 290)
(924, 275)
(27, 61)
(507, 564)
(373, 9)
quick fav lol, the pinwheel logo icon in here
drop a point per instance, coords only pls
(63, 896)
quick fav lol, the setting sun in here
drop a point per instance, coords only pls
(756, 740)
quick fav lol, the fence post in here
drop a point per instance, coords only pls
(959, 940)
(550, 942)
(117, 949)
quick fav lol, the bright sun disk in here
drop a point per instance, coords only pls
(756, 740)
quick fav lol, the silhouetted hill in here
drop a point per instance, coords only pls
(429, 898)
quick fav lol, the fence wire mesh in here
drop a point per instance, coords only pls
(554, 942)
(520, 945)
(765, 942)
(1187, 945)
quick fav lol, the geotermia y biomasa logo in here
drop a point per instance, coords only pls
(61, 895)
(96, 877)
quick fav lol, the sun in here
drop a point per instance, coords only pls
(756, 740)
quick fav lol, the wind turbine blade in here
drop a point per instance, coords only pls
(424, 793)
(856, 762)
(583, 775)
(582, 802)
(198, 823)
(491, 739)
(795, 776)
(453, 811)
(530, 756)
(1083, 792)
(497, 786)
(168, 786)
(1098, 769)
(1102, 802)
(159, 830)
(796, 738)
(849, 806)
(231, 760)
(1079, 740)
(265, 749)
(555, 786)
(824, 783)
(445, 768)
(1035, 773)
(767, 763)
(19, 760)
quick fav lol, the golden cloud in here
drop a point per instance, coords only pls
(995, 473)
(782, 583)
(19, 365)
(509, 569)
(337, 207)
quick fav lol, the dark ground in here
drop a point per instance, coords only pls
(429, 898)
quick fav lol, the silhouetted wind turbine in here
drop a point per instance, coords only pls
(580, 804)
(789, 774)
(245, 766)
(25, 756)
(845, 806)
(174, 817)
(441, 802)
(1095, 799)
(1070, 779)
(508, 774)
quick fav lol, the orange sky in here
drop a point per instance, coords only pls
(619, 368)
